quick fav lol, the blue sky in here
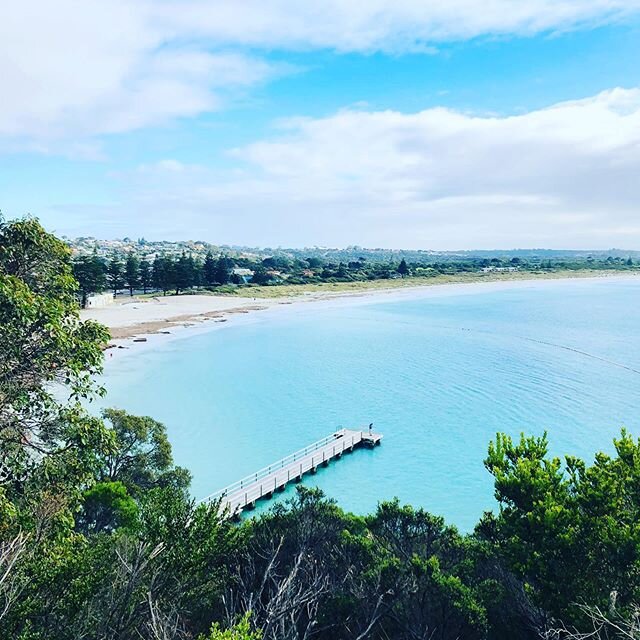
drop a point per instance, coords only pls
(448, 125)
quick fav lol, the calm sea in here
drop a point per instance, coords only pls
(438, 371)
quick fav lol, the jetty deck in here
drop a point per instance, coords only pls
(244, 493)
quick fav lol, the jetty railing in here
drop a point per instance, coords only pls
(346, 441)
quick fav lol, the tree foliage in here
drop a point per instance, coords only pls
(42, 342)
(239, 631)
(132, 272)
(569, 530)
(115, 273)
(146, 275)
(90, 272)
(141, 458)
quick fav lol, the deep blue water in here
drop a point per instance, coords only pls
(439, 373)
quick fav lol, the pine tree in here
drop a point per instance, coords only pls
(115, 273)
(132, 272)
(195, 272)
(89, 271)
(145, 274)
(183, 273)
(403, 269)
(209, 270)
(260, 275)
(156, 272)
(163, 273)
(223, 270)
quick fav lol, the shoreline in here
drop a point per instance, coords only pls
(137, 317)
(136, 320)
(170, 324)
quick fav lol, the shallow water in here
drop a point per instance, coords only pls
(439, 372)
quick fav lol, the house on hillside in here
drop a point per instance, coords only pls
(498, 269)
(245, 274)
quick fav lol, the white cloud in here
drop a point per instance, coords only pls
(565, 176)
(387, 25)
(76, 69)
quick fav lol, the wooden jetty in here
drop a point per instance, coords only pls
(244, 493)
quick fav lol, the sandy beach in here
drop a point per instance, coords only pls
(131, 317)
(135, 317)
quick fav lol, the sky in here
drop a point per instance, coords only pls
(422, 124)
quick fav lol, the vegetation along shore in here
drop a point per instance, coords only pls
(197, 267)
(151, 280)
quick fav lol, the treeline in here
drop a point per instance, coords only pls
(163, 273)
(167, 273)
(99, 538)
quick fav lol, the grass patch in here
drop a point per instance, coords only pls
(293, 290)
(327, 288)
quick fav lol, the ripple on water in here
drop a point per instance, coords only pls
(438, 376)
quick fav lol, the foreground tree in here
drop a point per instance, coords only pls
(608, 624)
(42, 341)
(239, 631)
(311, 570)
(444, 593)
(47, 441)
(571, 531)
(141, 458)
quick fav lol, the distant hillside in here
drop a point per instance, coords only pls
(142, 247)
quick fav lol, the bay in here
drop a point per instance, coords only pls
(437, 370)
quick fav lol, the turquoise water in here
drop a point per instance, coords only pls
(439, 372)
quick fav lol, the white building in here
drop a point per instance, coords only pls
(99, 300)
